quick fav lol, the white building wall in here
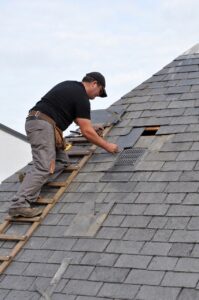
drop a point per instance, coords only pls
(14, 154)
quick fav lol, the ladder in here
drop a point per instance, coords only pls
(48, 203)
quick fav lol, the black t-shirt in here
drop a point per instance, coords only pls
(64, 103)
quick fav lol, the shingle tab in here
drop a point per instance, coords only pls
(78, 272)
(111, 233)
(183, 210)
(136, 221)
(139, 234)
(82, 287)
(157, 293)
(119, 177)
(33, 255)
(179, 279)
(172, 129)
(58, 256)
(109, 274)
(150, 187)
(41, 269)
(133, 261)
(163, 263)
(145, 277)
(175, 198)
(157, 222)
(187, 265)
(4, 294)
(165, 176)
(119, 291)
(190, 294)
(180, 166)
(22, 295)
(150, 198)
(91, 245)
(177, 222)
(156, 209)
(156, 248)
(162, 235)
(16, 282)
(119, 187)
(99, 259)
(180, 249)
(187, 187)
(59, 244)
(128, 247)
(184, 236)
(129, 209)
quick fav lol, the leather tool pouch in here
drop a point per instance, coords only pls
(59, 139)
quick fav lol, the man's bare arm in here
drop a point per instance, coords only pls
(89, 132)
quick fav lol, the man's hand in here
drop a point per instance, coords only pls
(89, 132)
(112, 148)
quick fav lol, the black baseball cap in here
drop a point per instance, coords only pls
(100, 79)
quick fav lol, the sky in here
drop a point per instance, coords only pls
(44, 42)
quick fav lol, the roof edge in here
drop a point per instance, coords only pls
(13, 132)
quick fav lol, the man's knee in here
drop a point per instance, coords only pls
(46, 168)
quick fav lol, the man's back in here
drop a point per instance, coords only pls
(64, 103)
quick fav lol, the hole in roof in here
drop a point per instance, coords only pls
(150, 130)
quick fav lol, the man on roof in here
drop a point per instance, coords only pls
(65, 103)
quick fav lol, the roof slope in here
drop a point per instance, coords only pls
(148, 247)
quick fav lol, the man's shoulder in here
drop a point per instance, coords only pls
(72, 86)
(70, 83)
(73, 90)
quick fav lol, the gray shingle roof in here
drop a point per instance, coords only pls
(148, 246)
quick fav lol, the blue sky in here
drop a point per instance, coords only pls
(44, 42)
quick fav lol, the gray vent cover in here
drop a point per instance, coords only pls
(129, 156)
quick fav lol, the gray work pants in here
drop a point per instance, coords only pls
(47, 162)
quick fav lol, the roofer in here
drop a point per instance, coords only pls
(68, 101)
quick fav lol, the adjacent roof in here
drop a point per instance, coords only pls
(13, 132)
(148, 246)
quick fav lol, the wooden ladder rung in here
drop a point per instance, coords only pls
(71, 167)
(5, 258)
(22, 219)
(78, 152)
(45, 200)
(13, 237)
(57, 184)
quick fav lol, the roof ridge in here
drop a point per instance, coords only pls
(192, 50)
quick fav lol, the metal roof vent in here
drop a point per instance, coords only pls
(127, 159)
(129, 156)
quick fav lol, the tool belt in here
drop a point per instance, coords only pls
(59, 139)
